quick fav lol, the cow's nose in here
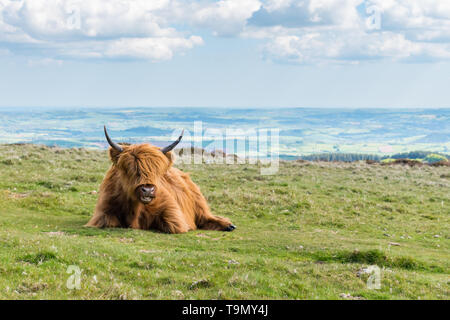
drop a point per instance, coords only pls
(148, 190)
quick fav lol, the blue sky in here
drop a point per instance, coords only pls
(247, 53)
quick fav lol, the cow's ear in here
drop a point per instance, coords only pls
(114, 155)
(170, 156)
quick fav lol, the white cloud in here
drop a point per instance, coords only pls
(312, 13)
(320, 47)
(294, 31)
(65, 19)
(150, 48)
(94, 28)
(273, 5)
(421, 20)
(321, 31)
(225, 17)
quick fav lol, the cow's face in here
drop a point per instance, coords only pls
(140, 168)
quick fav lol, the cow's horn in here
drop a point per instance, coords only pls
(112, 143)
(173, 144)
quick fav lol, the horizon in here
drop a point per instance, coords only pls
(43, 107)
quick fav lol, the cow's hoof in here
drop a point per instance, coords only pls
(231, 227)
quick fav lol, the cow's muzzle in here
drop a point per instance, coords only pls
(146, 193)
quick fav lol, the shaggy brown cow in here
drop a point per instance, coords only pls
(142, 190)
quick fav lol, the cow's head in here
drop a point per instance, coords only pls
(141, 167)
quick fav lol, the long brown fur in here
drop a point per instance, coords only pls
(178, 207)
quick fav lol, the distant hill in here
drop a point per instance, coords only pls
(425, 156)
(344, 157)
(301, 131)
(144, 131)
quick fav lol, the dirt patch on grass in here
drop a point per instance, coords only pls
(31, 287)
(22, 195)
(55, 233)
(142, 265)
(404, 162)
(441, 164)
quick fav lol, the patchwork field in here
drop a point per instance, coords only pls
(308, 232)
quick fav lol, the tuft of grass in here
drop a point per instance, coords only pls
(7, 162)
(200, 284)
(375, 257)
(365, 257)
(38, 258)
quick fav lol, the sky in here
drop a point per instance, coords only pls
(227, 53)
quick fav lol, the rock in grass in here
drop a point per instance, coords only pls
(200, 284)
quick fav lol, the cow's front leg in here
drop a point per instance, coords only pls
(103, 220)
(172, 221)
(106, 214)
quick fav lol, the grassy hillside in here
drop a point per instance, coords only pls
(306, 232)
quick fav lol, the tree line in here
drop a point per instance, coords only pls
(350, 157)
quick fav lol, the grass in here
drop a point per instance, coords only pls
(305, 233)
